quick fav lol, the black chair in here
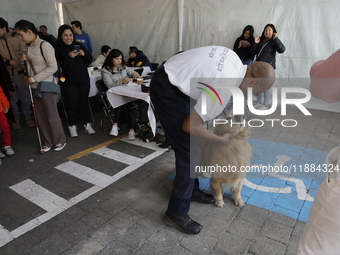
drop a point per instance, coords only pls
(107, 111)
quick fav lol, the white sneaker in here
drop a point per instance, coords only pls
(257, 105)
(89, 129)
(9, 151)
(263, 107)
(132, 135)
(114, 130)
(59, 147)
(2, 155)
(73, 131)
(46, 148)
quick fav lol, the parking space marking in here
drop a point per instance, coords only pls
(54, 204)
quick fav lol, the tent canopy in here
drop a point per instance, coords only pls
(308, 28)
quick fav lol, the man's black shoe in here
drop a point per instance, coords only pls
(202, 197)
(183, 223)
(165, 145)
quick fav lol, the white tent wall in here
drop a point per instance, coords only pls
(150, 25)
(39, 12)
(307, 28)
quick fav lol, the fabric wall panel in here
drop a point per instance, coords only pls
(150, 25)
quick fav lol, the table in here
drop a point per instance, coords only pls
(146, 69)
(96, 76)
(123, 94)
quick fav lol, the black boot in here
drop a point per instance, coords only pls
(165, 145)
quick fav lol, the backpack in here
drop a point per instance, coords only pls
(58, 73)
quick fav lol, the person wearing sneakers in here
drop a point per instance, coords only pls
(10, 49)
(41, 65)
(115, 73)
(4, 127)
(74, 59)
(265, 48)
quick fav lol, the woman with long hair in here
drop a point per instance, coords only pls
(265, 48)
(243, 43)
(74, 59)
(41, 69)
(115, 73)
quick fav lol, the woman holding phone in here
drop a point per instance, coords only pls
(243, 43)
(74, 59)
(265, 48)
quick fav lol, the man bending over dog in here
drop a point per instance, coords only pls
(171, 96)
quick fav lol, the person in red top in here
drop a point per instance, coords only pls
(4, 127)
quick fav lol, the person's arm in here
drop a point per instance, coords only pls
(193, 126)
(131, 73)
(280, 48)
(51, 63)
(111, 79)
(87, 57)
(141, 61)
(99, 61)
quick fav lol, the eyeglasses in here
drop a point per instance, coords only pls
(259, 92)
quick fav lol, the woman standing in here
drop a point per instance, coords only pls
(115, 73)
(265, 48)
(74, 60)
(41, 68)
(243, 43)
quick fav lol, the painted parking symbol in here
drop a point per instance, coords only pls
(282, 175)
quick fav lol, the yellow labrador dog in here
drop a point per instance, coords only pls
(229, 160)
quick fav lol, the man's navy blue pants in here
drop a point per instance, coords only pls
(172, 108)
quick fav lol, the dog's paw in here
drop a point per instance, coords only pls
(219, 203)
(239, 202)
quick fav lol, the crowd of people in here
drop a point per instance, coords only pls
(36, 61)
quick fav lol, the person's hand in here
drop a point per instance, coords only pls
(135, 75)
(257, 39)
(81, 52)
(240, 44)
(5, 110)
(74, 53)
(225, 138)
(274, 35)
(126, 80)
(29, 81)
(246, 43)
(132, 63)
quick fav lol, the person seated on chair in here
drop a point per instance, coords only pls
(76, 86)
(115, 73)
(105, 50)
(138, 58)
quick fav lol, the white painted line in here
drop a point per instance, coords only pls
(37, 194)
(267, 189)
(25, 228)
(54, 204)
(82, 172)
(118, 156)
(5, 236)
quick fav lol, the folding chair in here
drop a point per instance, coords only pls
(107, 111)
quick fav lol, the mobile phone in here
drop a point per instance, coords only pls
(76, 48)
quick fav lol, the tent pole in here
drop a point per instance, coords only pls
(180, 23)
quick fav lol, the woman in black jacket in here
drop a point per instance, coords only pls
(74, 59)
(243, 43)
(265, 48)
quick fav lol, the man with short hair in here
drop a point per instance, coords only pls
(105, 50)
(178, 104)
(11, 48)
(138, 58)
(43, 31)
(81, 36)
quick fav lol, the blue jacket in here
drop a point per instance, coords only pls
(85, 40)
(140, 60)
